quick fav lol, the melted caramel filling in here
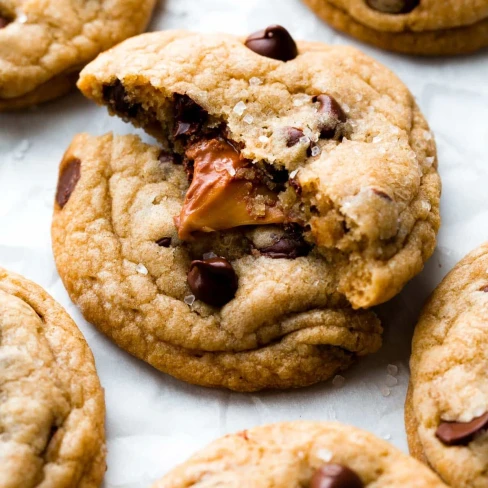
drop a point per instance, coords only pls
(216, 200)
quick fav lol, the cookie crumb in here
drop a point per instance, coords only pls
(189, 300)
(240, 108)
(338, 381)
(141, 269)
(392, 369)
(391, 380)
(385, 391)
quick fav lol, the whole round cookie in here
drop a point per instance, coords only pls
(272, 132)
(247, 308)
(423, 27)
(308, 454)
(51, 407)
(44, 44)
(447, 405)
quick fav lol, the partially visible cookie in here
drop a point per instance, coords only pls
(308, 454)
(44, 44)
(51, 403)
(423, 27)
(272, 131)
(447, 406)
(246, 309)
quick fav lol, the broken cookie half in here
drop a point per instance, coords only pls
(321, 142)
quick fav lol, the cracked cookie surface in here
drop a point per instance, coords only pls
(447, 405)
(358, 159)
(52, 407)
(425, 27)
(315, 454)
(44, 44)
(118, 253)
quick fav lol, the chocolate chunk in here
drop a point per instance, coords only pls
(164, 242)
(461, 433)
(335, 476)
(273, 42)
(166, 157)
(68, 179)
(393, 6)
(293, 136)
(213, 281)
(4, 22)
(382, 194)
(189, 116)
(335, 115)
(287, 247)
(116, 96)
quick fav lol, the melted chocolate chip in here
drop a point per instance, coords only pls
(273, 42)
(382, 194)
(116, 97)
(189, 116)
(335, 115)
(4, 22)
(484, 288)
(335, 476)
(166, 157)
(164, 242)
(461, 433)
(286, 248)
(213, 281)
(68, 179)
(293, 136)
(393, 6)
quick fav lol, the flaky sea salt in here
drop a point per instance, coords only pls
(21, 18)
(254, 81)
(346, 108)
(248, 119)
(392, 369)
(141, 269)
(304, 140)
(293, 173)
(427, 135)
(385, 391)
(391, 380)
(240, 108)
(231, 171)
(315, 151)
(209, 255)
(263, 139)
(377, 139)
(338, 380)
(426, 206)
(189, 300)
(429, 161)
(324, 455)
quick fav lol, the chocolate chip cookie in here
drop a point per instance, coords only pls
(247, 308)
(51, 403)
(277, 133)
(447, 406)
(423, 27)
(44, 44)
(312, 454)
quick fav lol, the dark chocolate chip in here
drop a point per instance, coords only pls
(335, 476)
(273, 42)
(393, 6)
(166, 157)
(213, 281)
(461, 433)
(335, 115)
(189, 116)
(382, 194)
(484, 288)
(164, 242)
(293, 136)
(286, 248)
(67, 181)
(4, 22)
(116, 96)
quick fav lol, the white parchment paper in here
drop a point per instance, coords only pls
(155, 421)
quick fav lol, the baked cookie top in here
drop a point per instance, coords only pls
(44, 44)
(447, 413)
(247, 308)
(346, 152)
(414, 15)
(52, 407)
(314, 454)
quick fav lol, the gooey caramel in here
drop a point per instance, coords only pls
(216, 200)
